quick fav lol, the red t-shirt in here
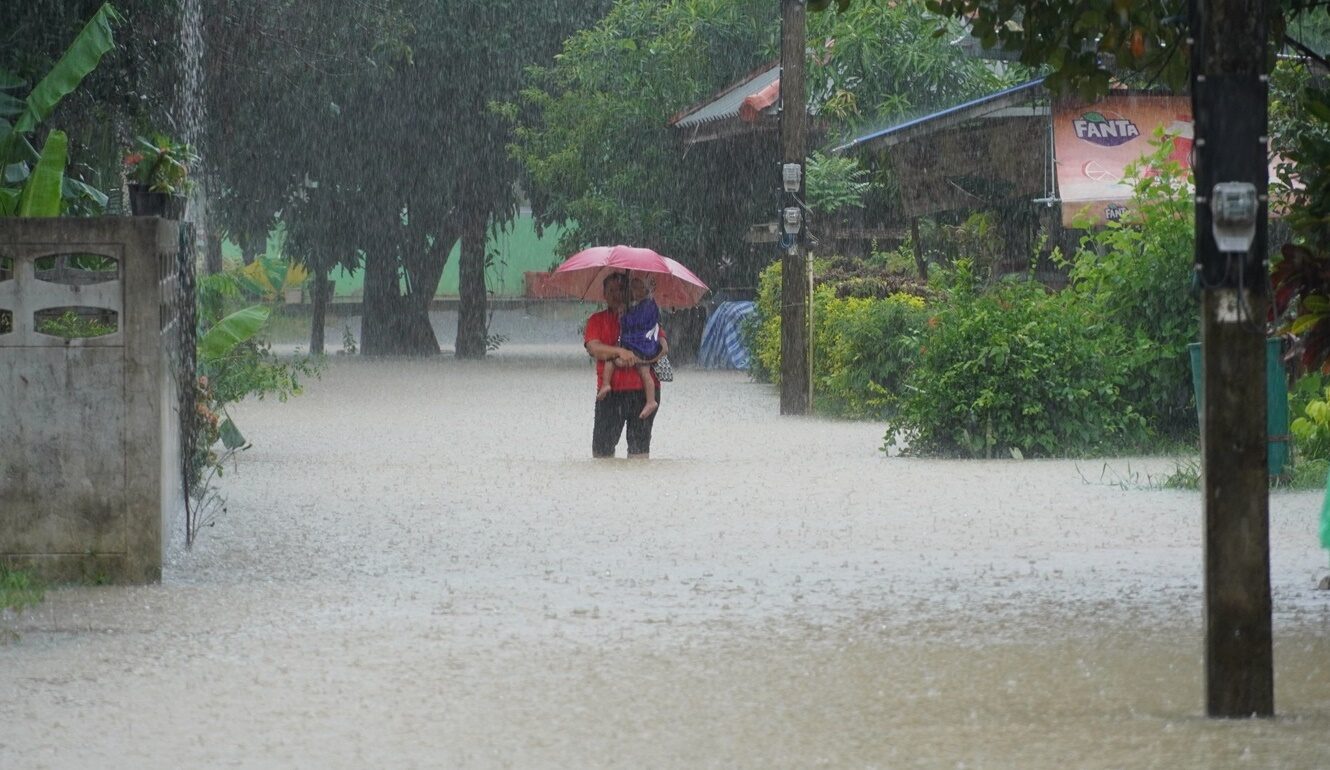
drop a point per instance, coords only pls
(604, 327)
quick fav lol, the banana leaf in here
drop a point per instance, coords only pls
(11, 105)
(15, 173)
(9, 81)
(8, 201)
(41, 195)
(81, 58)
(230, 435)
(15, 147)
(85, 195)
(232, 330)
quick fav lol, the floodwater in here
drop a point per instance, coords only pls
(420, 566)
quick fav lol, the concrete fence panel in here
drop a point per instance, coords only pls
(90, 468)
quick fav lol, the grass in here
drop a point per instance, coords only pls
(1307, 475)
(18, 589)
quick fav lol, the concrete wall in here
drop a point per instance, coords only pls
(90, 471)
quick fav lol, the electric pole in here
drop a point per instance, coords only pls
(1229, 106)
(795, 375)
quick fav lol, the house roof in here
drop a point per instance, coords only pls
(747, 99)
(1000, 104)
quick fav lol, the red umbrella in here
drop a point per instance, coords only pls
(582, 274)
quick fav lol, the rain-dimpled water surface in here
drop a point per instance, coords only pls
(420, 566)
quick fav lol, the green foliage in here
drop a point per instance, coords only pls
(865, 338)
(835, 182)
(161, 164)
(1301, 119)
(1301, 476)
(1015, 369)
(70, 325)
(863, 351)
(41, 196)
(1080, 39)
(592, 136)
(592, 131)
(879, 62)
(33, 183)
(1311, 425)
(1137, 272)
(18, 589)
(81, 58)
(230, 332)
(234, 363)
(1305, 474)
(1087, 43)
(761, 329)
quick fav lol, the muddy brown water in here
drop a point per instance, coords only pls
(419, 566)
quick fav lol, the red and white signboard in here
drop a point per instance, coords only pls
(1093, 143)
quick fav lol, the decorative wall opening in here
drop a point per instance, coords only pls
(76, 322)
(76, 269)
(6, 269)
(6, 321)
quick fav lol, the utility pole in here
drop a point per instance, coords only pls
(795, 375)
(1229, 105)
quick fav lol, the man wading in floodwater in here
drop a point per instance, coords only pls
(623, 406)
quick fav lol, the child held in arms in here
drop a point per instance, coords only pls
(639, 331)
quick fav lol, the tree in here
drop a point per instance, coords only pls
(596, 150)
(375, 143)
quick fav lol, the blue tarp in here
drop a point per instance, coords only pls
(722, 343)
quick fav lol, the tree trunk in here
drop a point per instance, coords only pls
(471, 310)
(393, 325)
(379, 307)
(920, 263)
(319, 311)
(249, 250)
(212, 259)
(424, 268)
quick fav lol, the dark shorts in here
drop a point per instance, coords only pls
(620, 408)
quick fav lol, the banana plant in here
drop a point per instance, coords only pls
(32, 182)
(214, 350)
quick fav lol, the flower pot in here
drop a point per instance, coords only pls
(144, 202)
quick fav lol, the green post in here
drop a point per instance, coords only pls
(1276, 401)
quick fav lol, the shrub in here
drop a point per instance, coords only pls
(863, 349)
(1138, 273)
(1310, 404)
(837, 278)
(1015, 368)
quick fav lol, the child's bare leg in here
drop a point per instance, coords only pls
(648, 390)
(605, 381)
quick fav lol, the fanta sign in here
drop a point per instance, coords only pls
(1093, 127)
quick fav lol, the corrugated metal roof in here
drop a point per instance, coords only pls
(948, 117)
(726, 105)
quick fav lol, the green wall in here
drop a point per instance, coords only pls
(518, 250)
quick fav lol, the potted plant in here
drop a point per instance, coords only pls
(158, 173)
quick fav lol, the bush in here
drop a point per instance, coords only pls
(863, 349)
(761, 330)
(838, 278)
(1138, 273)
(1016, 368)
(1309, 402)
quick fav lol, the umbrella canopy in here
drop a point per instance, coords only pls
(583, 274)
